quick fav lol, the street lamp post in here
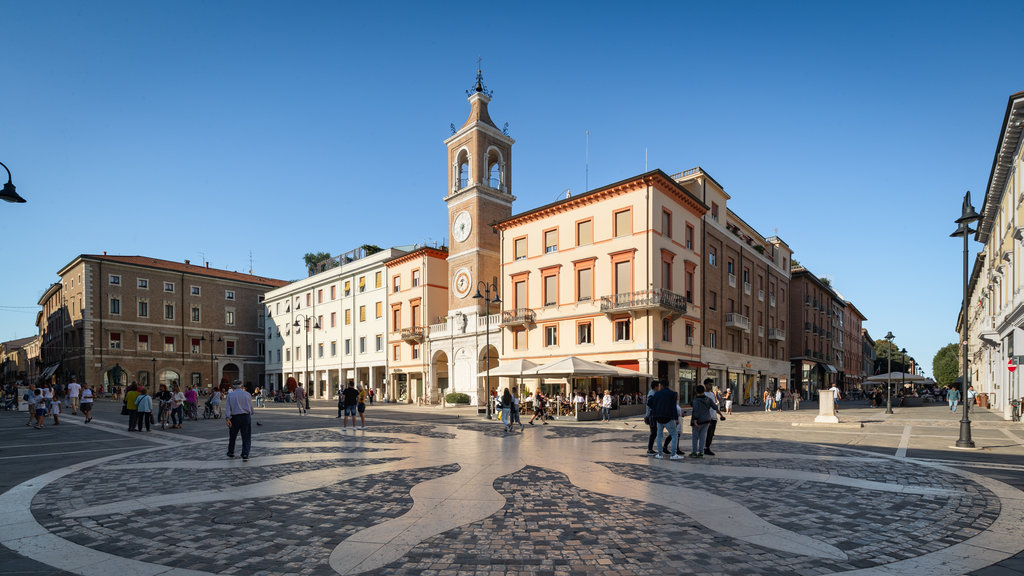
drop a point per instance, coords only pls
(888, 384)
(486, 296)
(903, 373)
(9, 194)
(213, 370)
(963, 228)
(309, 352)
(154, 373)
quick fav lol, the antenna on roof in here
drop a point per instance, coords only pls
(250, 262)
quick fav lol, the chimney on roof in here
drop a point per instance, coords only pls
(207, 264)
(187, 262)
(104, 252)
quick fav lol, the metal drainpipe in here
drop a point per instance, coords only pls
(182, 316)
(313, 349)
(649, 332)
(100, 315)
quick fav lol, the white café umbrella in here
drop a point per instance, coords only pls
(513, 367)
(570, 367)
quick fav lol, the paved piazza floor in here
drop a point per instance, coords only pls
(431, 491)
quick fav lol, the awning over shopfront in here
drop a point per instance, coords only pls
(693, 364)
(830, 368)
(48, 372)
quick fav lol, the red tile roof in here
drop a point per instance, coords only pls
(187, 268)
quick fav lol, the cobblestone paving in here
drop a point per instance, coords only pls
(547, 527)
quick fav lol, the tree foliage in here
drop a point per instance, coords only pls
(945, 365)
(371, 248)
(900, 361)
(311, 258)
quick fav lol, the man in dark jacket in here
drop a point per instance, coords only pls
(664, 414)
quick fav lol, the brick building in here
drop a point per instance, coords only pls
(114, 319)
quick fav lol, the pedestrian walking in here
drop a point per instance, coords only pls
(515, 408)
(728, 400)
(664, 413)
(650, 421)
(349, 403)
(238, 415)
(164, 398)
(361, 407)
(606, 406)
(539, 408)
(37, 406)
(953, 397)
(192, 403)
(55, 412)
(716, 414)
(86, 403)
(778, 399)
(129, 408)
(767, 398)
(177, 406)
(836, 395)
(700, 421)
(506, 409)
(300, 401)
(972, 396)
(74, 393)
(144, 407)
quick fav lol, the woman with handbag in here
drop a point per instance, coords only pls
(144, 407)
(701, 420)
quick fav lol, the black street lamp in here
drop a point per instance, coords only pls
(213, 370)
(888, 384)
(309, 352)
(487, 335)
(903, 373)
(9, 194)
(963, 228)
(154, 373)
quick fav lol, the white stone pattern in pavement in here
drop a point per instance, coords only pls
(405, 499)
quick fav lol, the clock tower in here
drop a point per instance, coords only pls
(479, 194)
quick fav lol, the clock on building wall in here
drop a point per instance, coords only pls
(461, 226)
(462, 282)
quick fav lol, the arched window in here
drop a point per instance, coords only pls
(462, 170)
(495, 175)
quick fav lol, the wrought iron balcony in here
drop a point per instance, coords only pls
(518, 317)
(777, 334)
(644, 300)
(414, 334)
(738, 321)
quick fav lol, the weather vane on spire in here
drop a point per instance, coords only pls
(480, 87)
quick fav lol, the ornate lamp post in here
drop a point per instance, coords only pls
(888, 384)
(487, 335)
(9, 194)
(154, 373)
(309, 352)
(213, 370)
(963, 228)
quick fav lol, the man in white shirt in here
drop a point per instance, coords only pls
(74, 391)
(836, 395)
(238, 413)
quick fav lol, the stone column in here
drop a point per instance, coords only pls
(826, 408)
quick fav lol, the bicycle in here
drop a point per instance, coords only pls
(164, 414)
(209, 411)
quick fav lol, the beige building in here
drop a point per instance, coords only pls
(331, 328)
(417, 296)
(745, 285)
(995, 317)
(610, 276)
(19, 360)
(114, 319)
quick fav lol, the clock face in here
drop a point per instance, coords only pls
(462, 282)
(461, 226)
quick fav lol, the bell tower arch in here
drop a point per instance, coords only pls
(479, 194)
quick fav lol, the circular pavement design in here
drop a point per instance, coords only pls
(422, 499)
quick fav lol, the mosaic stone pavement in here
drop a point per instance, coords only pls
(470, 499)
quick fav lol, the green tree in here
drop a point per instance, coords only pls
(945, 365)
(371, 248)
(900, 361)
(312, 258)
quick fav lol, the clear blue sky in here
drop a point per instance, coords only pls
(192, 130)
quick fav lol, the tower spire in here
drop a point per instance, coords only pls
(480, 87)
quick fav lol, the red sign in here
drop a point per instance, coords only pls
(1010, 366)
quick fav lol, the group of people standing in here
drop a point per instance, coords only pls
(46, 401)
(665, 417)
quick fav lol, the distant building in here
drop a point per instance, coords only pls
(854, 373)
(995, 297)
(113, 319)
(745, 297)
(19, 360)
(817, 337)
(330, 328)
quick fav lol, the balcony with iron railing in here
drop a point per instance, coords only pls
(737, 321)
(777, 334)
(518, 317)
(644, 300)
(414, 334)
